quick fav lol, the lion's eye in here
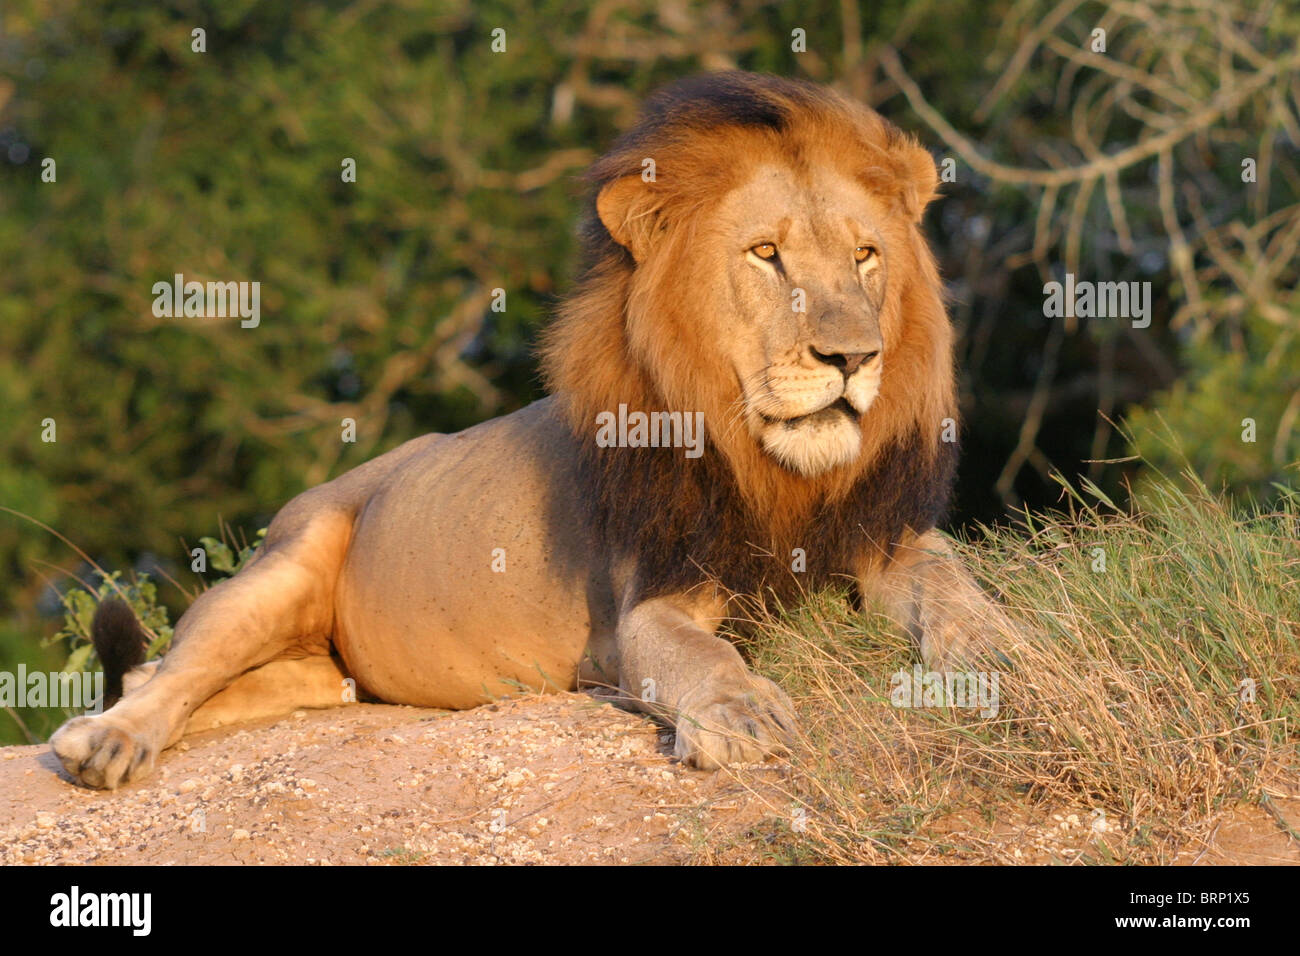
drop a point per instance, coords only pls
(765, 251)
(863, 253)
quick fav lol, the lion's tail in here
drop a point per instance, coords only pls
(120, 643)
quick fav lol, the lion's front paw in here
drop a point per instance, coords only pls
(741, 722)
(98, 753)
(948, 645)
(976, 642)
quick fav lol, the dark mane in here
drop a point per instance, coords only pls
(734, 515)
(685, 521)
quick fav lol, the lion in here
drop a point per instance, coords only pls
(753, 261)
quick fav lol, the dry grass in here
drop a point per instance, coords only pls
(1123, 697)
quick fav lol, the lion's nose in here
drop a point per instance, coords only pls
(846, 362)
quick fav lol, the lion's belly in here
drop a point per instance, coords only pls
(469, 575)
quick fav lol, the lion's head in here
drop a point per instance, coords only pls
(755, 254)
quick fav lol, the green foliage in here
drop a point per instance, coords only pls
(1234, 417)
(79, 605)
(141, 594)
(222, 558)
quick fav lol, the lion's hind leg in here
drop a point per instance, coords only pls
(274, 689)
(279, 607)
(279, 687)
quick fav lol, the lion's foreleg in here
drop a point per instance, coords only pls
(927, 590)
(673, 665)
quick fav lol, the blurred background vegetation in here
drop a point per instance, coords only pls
(1123, 164)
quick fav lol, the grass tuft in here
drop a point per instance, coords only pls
(1128, 696)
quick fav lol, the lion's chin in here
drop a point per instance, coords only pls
(814, 444)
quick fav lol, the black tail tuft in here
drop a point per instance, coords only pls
(119, 641)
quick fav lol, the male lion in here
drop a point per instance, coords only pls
(755, 256)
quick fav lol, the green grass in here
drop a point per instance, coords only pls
(1123, 694)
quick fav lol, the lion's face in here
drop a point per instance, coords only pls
(800, 271)
(756, 256)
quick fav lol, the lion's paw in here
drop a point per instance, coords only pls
(734, 723)
(951, 645)
(976, 642)
(98, 753)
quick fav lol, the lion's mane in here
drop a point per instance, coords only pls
(629, 335)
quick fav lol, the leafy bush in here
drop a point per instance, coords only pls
(141, 593)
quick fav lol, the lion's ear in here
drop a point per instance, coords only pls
(922, 181)
(628, 208)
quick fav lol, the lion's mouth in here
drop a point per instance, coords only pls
(837, 408)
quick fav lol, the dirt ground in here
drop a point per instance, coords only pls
(559, 779)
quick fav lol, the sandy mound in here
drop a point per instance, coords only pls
(558, 779)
